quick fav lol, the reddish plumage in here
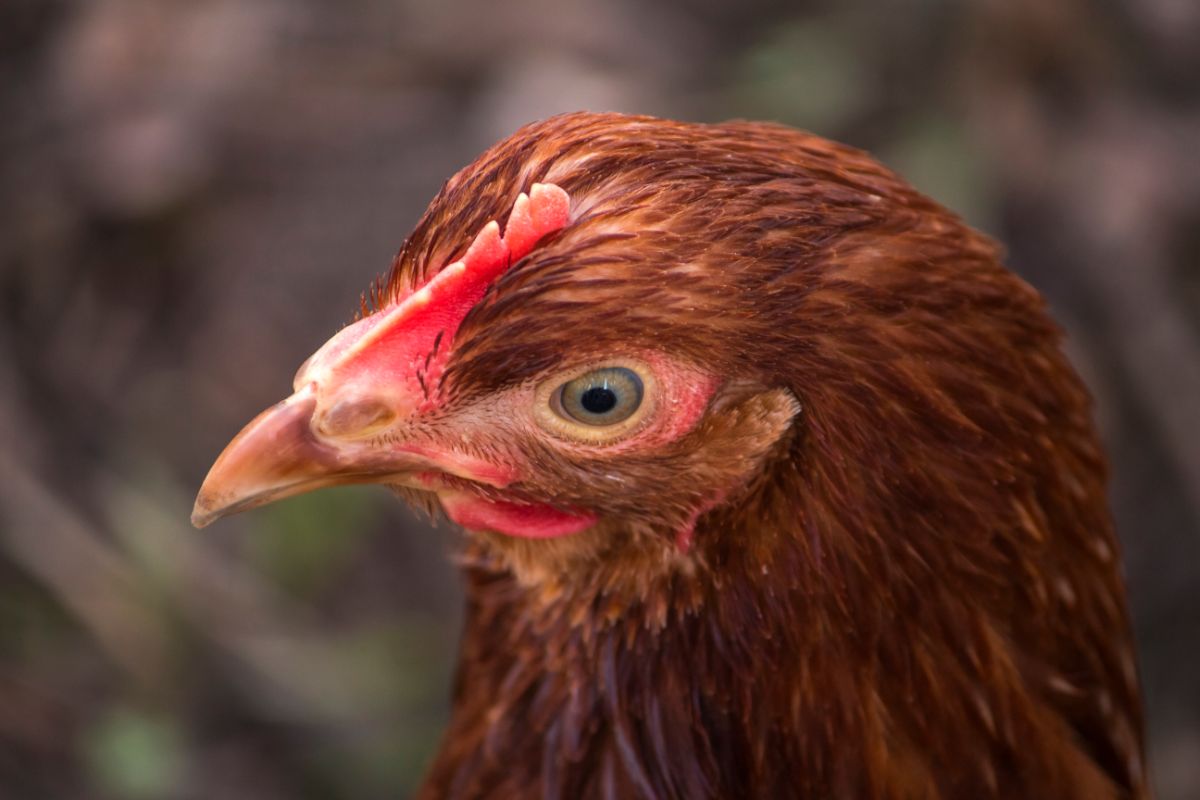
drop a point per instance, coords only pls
(877, 564)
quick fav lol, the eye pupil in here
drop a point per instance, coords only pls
(598, 400)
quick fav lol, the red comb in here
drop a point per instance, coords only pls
(412, 336)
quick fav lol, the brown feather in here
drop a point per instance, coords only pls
(915, 593)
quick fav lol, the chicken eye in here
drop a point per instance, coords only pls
(601, 397)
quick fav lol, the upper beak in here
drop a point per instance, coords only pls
(279, 454)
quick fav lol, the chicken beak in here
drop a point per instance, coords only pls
(280, 454)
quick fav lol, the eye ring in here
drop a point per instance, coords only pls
(560, 408)
(600, 398)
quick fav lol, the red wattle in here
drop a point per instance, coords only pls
(528, 521)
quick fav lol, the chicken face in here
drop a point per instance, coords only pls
(578, 430)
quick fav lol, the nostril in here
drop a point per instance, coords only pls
(355, 418)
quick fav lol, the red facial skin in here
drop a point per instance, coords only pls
(682, 396)
(374, 389)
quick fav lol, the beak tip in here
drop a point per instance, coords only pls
(209, 507)
(202, 515)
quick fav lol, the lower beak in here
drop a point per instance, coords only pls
(279, 455)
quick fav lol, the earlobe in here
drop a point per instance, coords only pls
(760, 420)
(748, 426)
(741, 432)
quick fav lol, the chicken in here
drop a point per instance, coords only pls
(776, 482)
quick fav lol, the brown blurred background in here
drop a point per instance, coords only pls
(193, 194)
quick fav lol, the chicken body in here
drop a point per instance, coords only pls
(851, 542)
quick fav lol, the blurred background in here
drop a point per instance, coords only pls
(193, 194)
